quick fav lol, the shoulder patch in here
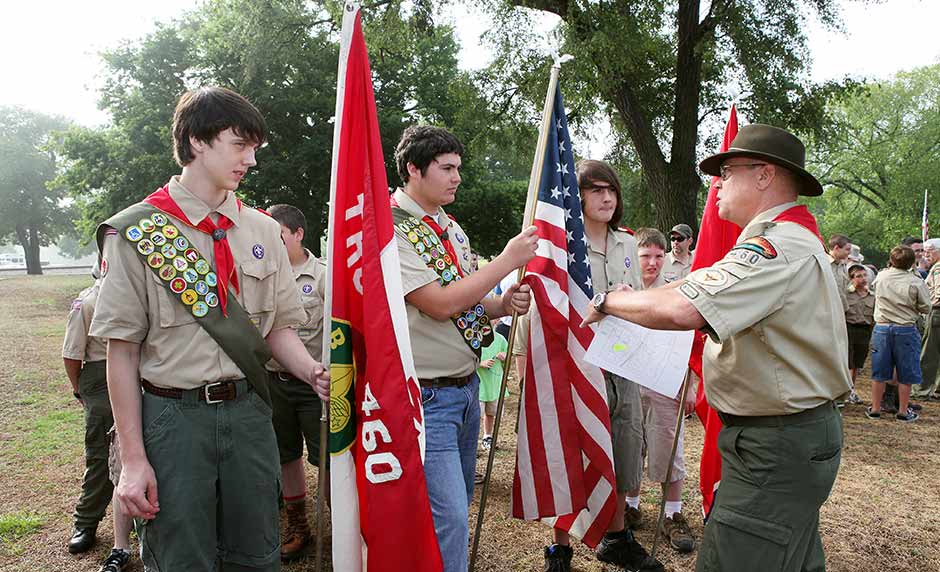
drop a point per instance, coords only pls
(758, 244)
(627, 230)
(110, 231)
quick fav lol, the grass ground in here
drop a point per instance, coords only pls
(883, 515)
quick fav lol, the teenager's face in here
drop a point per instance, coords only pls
(841, 252)
(293, 240)
(438, 186)
(226, 160)
(598, 201)
(651, 262)
(860, 279)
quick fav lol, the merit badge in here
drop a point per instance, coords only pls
(448, 259)
(434, 253)
(167, 272)
(468, 334)
(180, 243)
(475, 344)
(200, 309)
(446, 275)
(439, 263)
(189, 297)
(168, 250)
(211, 279)
(486, 330)
(479, 309)
(419, 247)
(133, 233)
(453, 270)
(307, 288)
(180, 264)
(202, 288)
(145, 247)
(158, 239)
(427, 241)
(171, 231)
(413, 236)
(190, 275)
(201, 266)
(158, 219)
(404, 228)
(177, 285)
(459, 237)
(627, 262)
(155, 260)
(191, 254)
(461, 323)
(258, 251)
(471, 316)
(212, 300)
(146, 225)
(426, 257)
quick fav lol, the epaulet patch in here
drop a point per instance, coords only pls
(451, 217)
(627, 230)
(262, 211)
(110, 232)
(758, 245)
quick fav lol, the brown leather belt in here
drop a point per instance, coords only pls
(446, 381)
(209, 393)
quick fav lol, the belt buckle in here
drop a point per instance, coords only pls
(206, 389)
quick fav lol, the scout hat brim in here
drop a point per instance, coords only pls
(771, 144)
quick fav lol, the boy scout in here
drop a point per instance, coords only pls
(296, 405)
(839, 249)
(196, 295)
(930, 354)
(679, 260)
(84, 357)
(774, 362)
(448, 319)
(859, 321)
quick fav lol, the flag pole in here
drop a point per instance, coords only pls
(672, 457)
(351, 8)
(535, 180)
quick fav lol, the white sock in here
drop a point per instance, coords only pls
(633, 502)
(672, 507)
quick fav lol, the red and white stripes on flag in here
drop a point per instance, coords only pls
(564, 460)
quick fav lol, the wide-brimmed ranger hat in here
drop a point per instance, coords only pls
(771, 144)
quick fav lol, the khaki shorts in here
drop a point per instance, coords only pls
(626, 431)
(659, 430)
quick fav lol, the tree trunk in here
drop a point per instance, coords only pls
(29, 240)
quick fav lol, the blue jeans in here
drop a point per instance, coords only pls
(452, 423)
(895, 347)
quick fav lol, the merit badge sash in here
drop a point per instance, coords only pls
(190, 279)
(473, 324)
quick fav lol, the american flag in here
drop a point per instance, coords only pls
(564, 460)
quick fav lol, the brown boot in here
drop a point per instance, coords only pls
(297, 536)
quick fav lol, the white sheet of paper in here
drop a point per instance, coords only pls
(656, 359)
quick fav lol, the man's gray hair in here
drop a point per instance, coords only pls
(932, 244)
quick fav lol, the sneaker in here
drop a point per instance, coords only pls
(677, 532)
(558, 558)
(840, 404)
(853, 399)
(486, 443)
(934, 396)
(907, 418)
(622, 549)
(116, 561)
(915, 407)
(632, 517)
(872, 414)
(478, 478)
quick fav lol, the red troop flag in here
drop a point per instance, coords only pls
(381, 513)
(715, 239)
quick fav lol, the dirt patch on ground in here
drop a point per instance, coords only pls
(883, 515)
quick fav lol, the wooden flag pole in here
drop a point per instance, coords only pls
(535, 180)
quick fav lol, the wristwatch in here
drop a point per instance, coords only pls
(598, 301)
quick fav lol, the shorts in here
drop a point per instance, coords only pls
(626, 431)
(297, 409)
(896, 347)
(859, 342)
(659, 431)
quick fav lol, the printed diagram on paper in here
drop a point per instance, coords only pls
(655, 359)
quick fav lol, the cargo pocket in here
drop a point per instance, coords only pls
(173, 313)
(257, 290)
(743, 542)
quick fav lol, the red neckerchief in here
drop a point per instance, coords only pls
(224, 261)
(441, 234)
(801, 216)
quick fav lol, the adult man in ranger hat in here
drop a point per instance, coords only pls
(774, 362)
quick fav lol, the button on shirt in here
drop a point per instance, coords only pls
(777, 335)
(175, 351)
(900, 297)
(619, 264)
(78, 345)
(674, 269)
(310, 277)
(438, 347)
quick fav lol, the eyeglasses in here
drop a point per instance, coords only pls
(723, 170)
(677, 238)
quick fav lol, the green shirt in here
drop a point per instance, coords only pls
(490, 379)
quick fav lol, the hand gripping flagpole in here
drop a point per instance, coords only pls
(535, 180)
(672, 457)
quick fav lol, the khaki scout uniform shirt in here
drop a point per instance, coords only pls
(439, 348)
(619, 264)
(674, 269)
(861, 309)
(900, 297)
(776, 325)
(842, 279)
(78, 345)
(175, 351)
(660, 281)
(310, 278)
(933, 284)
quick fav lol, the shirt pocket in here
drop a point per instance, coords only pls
(170, 308)
(258, 288)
